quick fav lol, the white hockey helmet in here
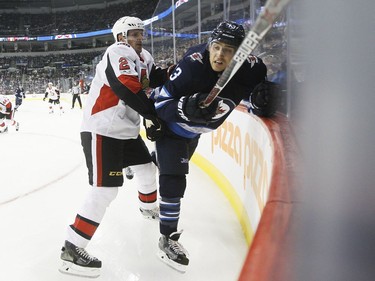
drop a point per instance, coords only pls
(50, 84)
(124, 24)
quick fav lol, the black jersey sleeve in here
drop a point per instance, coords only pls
(158, 76)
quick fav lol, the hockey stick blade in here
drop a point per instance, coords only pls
(263, 23)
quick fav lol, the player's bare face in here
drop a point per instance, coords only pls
(220, 55)
(135, 39)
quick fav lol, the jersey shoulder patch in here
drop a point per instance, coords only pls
(196, 57)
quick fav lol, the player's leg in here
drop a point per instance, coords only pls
(57, 103)
(79, 101)
(50, 106)
(3, 125)
(173, 155)
(137, 156)
(104, 164)
(9, 121)
(74, 100)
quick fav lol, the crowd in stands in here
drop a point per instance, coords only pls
(83, 20)
(35, 71)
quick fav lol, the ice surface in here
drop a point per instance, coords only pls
(43, 182)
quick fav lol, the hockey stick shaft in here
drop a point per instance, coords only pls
(264, 22)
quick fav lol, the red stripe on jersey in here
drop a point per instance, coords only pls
(147, 198)
(99, 160)
(107, 98)
(131, 82)
(85, 227)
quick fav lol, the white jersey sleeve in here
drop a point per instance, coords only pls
(105, 113)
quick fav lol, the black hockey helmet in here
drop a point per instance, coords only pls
(228, 32)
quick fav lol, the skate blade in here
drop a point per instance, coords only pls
(73, 269)
(176, 266)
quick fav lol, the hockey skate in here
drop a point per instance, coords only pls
(17, 126)
(4, 131)
(152, 214)
(172, 252)
(76, 261)
(129, 173)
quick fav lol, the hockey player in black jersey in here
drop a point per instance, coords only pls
(178, 104)
(19, 95)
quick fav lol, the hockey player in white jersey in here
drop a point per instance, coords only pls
(53, 95)
(6, 115)
(111, 141)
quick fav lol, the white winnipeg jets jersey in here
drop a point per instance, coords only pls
(52, 94)
(104, 112)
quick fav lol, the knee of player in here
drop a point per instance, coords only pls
(146, 175)
(144, 169)
(103, 195)
(172, 185)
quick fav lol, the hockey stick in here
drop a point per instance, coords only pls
(263, 23)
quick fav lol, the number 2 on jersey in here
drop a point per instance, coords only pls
(123, 64)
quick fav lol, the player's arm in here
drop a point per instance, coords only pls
(45, 95)
(264, 95)
(158, 76)
(129, 89)
(178, 100)
(252, 72)
(8, 106)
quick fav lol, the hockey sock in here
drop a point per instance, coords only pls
(145, 175)
(90, 215)
(147, 201)
(169, 214)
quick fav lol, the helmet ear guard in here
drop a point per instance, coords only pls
(228, 32)
(124, 24)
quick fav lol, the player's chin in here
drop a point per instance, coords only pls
(218, 67)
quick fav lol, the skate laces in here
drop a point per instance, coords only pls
(176, 247)
(82, 252)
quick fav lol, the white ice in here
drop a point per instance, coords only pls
(43, 182)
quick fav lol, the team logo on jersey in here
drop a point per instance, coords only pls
(196, 57)
(252, 60)
(144, 79)
(222, 109)
(184, 160)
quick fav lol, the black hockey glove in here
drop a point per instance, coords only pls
(264, 99)
(44, 99)
(154, 127)
(189, 109)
